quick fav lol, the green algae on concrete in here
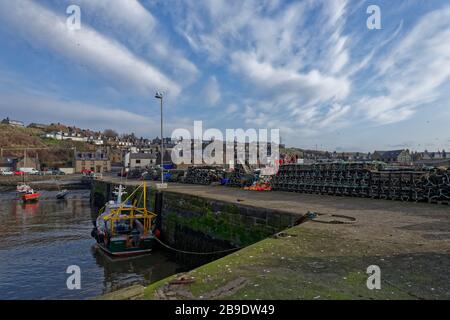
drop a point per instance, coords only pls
(237, 224)
(304, 264)
(219, 226)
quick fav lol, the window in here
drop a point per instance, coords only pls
(138, 161)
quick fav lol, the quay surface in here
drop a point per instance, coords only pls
(409, 242)
(47, 182)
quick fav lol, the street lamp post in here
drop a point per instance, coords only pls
(159, 95)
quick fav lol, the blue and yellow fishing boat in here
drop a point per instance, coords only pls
(123, 228)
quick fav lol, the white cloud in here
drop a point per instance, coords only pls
(290, 67)
(212, 91)
(414, 72)
(232, 108)
(312, 85)
(86, 47)
(140, 30)
(334, 114)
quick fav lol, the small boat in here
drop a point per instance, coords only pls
(62, 194)
(30, 196)
(124, 228)
(23, 188)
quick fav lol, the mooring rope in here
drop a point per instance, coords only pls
(310, 216)
(313, 216)
(193, 252)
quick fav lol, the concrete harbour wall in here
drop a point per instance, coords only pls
(193, 223)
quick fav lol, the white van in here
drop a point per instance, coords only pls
(29, 170)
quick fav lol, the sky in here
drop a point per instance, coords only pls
(311, 68)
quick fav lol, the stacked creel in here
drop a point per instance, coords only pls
(365, 180)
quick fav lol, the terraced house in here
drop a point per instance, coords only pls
(93, 161)
(393, 156)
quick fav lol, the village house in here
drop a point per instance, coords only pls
(196, 156)
(124, 143)
(393, 156)
(168, 142)
(435, 159)
(37, 126)
(14, 123)
(93, 161)
(434, 155)
(74, 136)
(116, 156)
(349, 156)
(65, 136)
(8, 163)
(96, 140)
(139, 160)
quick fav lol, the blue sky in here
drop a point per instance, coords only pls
(309, 68)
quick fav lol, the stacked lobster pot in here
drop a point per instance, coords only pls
(238, 178)
(202, 175)
(364, 180)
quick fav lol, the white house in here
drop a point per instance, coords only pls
(65, 136)
(98, 141)
(139, 160)
(14, 123)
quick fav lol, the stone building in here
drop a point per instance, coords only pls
(142, 160)
(93, 161)
(393, 156)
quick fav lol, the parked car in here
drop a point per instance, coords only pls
(97, 175)
(135, 173)
(122, 174)
(58, 172)
(19, 173)
(6, 172)
(46, 172)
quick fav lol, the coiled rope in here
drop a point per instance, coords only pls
(313, 216)
(194, 252)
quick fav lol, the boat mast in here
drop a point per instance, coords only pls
(119, 195)
(145, 195)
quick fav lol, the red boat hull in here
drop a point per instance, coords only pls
(31, 197)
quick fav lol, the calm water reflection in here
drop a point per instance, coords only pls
(39, 241)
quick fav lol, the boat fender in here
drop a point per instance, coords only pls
(157, 233)
(94, 233)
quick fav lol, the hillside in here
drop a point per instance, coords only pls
(52, 153)
(13, 137)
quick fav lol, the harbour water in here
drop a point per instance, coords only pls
(39, 241)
